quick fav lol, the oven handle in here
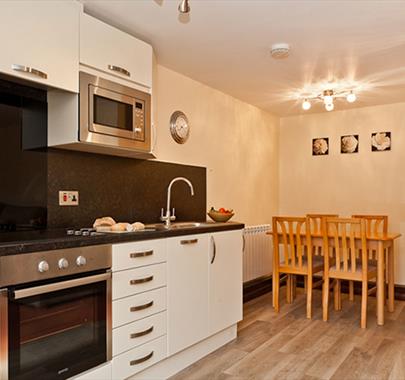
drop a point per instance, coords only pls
(29, 292)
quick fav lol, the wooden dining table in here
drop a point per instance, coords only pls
(383, 246)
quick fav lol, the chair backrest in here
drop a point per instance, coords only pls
(315, 221)
(344, 238)
(375, 224)
(292, 234)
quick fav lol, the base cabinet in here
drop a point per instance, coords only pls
(191, 309)
(187, 297)
(225, 280)
(204, 286)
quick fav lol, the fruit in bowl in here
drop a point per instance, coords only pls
(221, 216)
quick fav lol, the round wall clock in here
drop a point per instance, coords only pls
(179, 127)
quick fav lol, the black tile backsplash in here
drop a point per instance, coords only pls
(126, 189)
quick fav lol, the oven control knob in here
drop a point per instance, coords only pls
(43, 266)
(81, 261)
(63, 263)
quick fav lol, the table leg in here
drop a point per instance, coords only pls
(380, 284)
(390, 264)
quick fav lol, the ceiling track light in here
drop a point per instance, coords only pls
(306, 105)
(184, 6)
(328, 97)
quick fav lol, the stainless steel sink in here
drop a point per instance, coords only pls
(175, 226)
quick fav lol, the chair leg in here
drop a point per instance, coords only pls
(309, 296)
(351, 290)
(325, 299)
(294, 287)
(288, 288)
(337, 296)
(305, 283)
(276, 291)
(364, 295)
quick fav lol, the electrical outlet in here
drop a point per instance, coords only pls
(68, 198)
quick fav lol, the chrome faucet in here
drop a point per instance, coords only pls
(169, 217)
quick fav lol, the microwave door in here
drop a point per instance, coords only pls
(112, 113)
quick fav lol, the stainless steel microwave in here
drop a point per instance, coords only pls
(114, 115)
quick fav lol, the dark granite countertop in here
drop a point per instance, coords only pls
(12, 243)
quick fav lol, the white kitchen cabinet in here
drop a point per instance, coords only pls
(112, 51)
(225, 280)
(187, 288)
(137, 254)
(41, 37)
(138, 280)
(139, 358)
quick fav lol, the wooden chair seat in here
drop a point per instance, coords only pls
(317, 266)
(354, 276)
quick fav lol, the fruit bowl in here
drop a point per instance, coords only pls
(220, 217)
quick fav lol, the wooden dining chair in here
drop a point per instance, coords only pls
(292, 255)
(342, 238)
(375, 225)
(315, 221)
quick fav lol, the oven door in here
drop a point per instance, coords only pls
(59, 329)
(116, 114)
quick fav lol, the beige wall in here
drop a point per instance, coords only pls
(366, 182)
(235, 141)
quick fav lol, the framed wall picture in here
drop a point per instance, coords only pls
(380, 141)
(349, 144)
(320, 146)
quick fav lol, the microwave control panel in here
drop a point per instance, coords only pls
(139, 130)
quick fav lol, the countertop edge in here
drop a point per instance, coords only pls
(49, 244)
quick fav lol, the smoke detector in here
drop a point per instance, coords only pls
(280, 51)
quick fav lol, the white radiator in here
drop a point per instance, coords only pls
(257, 254)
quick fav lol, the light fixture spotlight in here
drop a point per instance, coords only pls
(328, 98)
(184, 6)
(351, 97)
(306, 105)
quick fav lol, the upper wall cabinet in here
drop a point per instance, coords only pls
(40, 42)
(114, 52)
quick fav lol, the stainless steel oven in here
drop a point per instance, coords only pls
(55, 313)
(114, 115)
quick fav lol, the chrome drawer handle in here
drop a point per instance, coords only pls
(191, 241)
(141, 360)
(141, 333)
(141, 307)
(120, 70)
(30, 70)
(141, 254)
(141, 280)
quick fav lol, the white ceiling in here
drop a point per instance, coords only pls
(226, 44)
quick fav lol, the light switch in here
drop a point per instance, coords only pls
(68, 198)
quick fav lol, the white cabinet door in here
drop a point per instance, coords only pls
(187, 291)
(225, 279)
(41, 37)
(117, 53)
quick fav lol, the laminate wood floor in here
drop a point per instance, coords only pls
(289, 346)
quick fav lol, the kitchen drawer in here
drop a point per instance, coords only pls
(139, 358)
(139, 332)
(143, 305)
(137, 254)
(133, 281)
